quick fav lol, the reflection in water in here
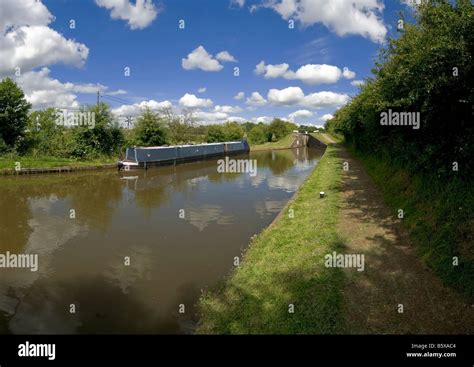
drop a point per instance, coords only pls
(180, 227)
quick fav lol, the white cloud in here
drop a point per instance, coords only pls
(300, 113)
(285, 97)
(27, 42)
(237, 119)
(201, 59)
(412, 3)
(325, 99)
(264, 119)
(348, 74)
(16, 14)
(326, 117)
(239, 3)
(357, 83)
(310, 74)
(138, 16)
(256, 100)
(292, 96)
(227, 109)
(343, 17)
(271, 71)
(117, 92)
(316, 74)
(137, 108)
(202, 90)
(42, 91)
(225, 56)
(210, 117)
(239, 96)
(191, 101)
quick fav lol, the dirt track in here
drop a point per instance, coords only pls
(393, 273)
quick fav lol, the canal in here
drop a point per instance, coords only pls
(129, 252)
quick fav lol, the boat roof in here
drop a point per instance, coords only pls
(188, 145)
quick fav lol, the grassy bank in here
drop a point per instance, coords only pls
(438, 216)
(9, 162)
(326, 138)
(284, 265)
(283, 143)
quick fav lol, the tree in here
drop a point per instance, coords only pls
(180, 131)
(13, 113)
(258, 135)
(280, 128)
(233, 131)
(248, 126)
(427, 70)
(150, 129)
(103, 137)
(44, 135)
(215, 134)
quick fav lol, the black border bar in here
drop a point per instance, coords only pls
(270, 347)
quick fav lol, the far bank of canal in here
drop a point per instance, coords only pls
(181, 228)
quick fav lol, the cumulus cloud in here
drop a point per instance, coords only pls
(348, 74)
(199, 58)
(117, 92)
(191, 101)
(300, 113)
(357, 83)
(215, 117)
(138, 16)
(239, 96)
(285, 97)
(239, 3)
(412, 3)
(17, 14)
(292, 96)
(202, 90)
(237, 119)
(225, 56)
(310, 74)
(26, 41)
(325, 99)
(326, 117)
(227, 109)
(316, 74)
(42, 91)
(256, 100)
(271, 71)
(138, 108)
(264, 119)
(343, 17)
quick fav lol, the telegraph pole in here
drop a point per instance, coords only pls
(98, 97)
(129, 121)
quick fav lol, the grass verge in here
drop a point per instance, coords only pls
(283, 143)
(9, 162)
(284, 265)
(439, 217)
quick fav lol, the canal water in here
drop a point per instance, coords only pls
(128, 252)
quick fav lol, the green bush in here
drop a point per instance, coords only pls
(105, 138)
(150, 130)
(258, 135)
(428, 69)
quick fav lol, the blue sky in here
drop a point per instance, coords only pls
(302, 69)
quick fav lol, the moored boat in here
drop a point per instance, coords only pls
(143, 157)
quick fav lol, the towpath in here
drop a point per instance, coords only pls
(396, 293)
